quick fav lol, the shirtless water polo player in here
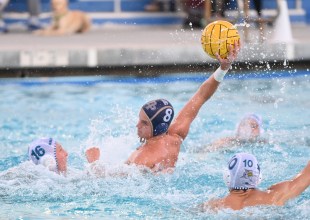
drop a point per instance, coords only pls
(243, 176)
(249, 131)
(161, 141)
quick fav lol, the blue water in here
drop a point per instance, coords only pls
(102, 111)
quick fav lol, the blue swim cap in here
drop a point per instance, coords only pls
(160, 113)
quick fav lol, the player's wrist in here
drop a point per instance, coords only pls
(219, 74)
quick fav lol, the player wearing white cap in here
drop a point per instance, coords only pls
(248, 131)
(49, 153)
(242, 177)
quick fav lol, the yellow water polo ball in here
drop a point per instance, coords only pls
(217, 36)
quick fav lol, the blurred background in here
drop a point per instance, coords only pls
(147, 37)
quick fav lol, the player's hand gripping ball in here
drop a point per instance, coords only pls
(217, 36)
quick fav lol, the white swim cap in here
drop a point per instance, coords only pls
(243, 172)
(244, 129)
(43, 151)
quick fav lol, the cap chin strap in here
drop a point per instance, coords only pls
(49, 162)
(226, 177)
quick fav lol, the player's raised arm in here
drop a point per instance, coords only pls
(183, 120)
(284, 191)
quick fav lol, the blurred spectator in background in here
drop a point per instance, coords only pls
(3, 27)
(65, 21)
(34, 9)
(161, 5)
(219, 6)
(258, 7)
(195, 10)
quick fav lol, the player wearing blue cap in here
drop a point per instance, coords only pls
(242, 177)
(162, 137)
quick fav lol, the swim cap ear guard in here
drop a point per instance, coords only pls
(243, 172)
(43, 151)
(160, 128)
(160, 113)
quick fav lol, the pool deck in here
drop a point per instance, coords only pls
(124, 46)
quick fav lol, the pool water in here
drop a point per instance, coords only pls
(102, 111)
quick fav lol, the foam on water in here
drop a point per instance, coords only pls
(104, 114)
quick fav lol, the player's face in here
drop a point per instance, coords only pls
(61, 156)
(254, 128)
(144, 126)
(248, 129)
